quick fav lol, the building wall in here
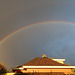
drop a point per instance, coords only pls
(9, 74)
(59, 60)
(47, 70)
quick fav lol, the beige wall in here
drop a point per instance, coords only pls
(47, 70)
(61, 62)
(9, 74)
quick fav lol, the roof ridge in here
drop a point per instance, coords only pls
(45, 61)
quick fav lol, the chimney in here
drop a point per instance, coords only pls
(44, 55)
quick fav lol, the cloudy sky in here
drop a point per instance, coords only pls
(55, 38)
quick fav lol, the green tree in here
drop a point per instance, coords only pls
(73, 70)
(68, 64)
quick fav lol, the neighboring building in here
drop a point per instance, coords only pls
(59, 60)
(44, 65)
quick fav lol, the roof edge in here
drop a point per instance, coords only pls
(48, 67)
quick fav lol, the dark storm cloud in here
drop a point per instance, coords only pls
(55, 40)
(15, 14)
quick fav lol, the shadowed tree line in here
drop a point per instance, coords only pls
(3, 68)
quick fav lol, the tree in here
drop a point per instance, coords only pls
(52, 58)
(3, 68)
(68, 64)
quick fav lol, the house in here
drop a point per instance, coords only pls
(44, 65)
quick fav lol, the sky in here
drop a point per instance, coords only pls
(43, 26)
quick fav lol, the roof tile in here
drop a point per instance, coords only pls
(38, 61)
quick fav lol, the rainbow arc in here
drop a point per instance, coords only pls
(25, 27)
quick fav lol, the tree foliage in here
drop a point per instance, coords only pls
(3, 68)
(68, 64)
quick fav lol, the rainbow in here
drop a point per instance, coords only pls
(25, 27)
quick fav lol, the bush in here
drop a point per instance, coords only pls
(3, 68)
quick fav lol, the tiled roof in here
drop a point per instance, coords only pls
(38, 61)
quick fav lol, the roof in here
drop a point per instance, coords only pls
(38, 61)
(47, 67)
